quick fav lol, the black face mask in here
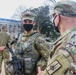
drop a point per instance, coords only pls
(56, 27)
(28, 27)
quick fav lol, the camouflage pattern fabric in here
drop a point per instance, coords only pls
(60, 62)
(4, 38)
(41, 49)
(66, 8)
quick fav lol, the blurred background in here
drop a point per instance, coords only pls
(10, 15)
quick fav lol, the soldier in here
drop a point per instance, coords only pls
(32, 47)
(63, 60)
(21, 35)
(4, 53)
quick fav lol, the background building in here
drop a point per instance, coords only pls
(13, 26)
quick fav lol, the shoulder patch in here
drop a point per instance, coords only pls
(53, 67)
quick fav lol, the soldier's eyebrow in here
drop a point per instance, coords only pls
(27, 20)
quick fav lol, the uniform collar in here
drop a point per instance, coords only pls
(27, 35)
(65, 33)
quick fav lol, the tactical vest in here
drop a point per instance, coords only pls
(28, 54)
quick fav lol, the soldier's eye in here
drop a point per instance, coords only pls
(25, 21)
(30, 21)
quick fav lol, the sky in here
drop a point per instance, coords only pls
(8, 7)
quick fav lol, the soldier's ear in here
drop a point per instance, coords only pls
(57, 20)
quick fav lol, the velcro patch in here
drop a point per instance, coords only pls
(53, 67)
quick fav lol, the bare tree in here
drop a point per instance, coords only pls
(53, 1)
(17, 14)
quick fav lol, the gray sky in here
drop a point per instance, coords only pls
(8, 7)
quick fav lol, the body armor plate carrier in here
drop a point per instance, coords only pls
(28, 54)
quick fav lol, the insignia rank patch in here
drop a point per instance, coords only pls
(53, 67)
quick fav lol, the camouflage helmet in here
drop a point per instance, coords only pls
(65, 8)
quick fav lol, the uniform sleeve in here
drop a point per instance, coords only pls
(43, 47)
(57, 65)
(9, 37)
(62, 60)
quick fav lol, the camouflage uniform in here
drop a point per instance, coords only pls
(61, 61)
(41, 49)
(4, 38)
(31, 48)
(20, 36)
